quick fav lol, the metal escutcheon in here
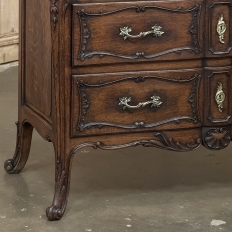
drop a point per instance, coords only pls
(220, 97)
(221, 28)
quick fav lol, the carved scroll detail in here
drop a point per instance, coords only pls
(161, 141)
(54, 11)
(10, 163)
(56, 211)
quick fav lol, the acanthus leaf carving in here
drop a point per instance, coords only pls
(161, 140)
(56, 211)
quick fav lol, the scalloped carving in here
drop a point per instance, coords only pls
(217, 138)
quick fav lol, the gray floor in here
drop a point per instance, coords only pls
(137, 189)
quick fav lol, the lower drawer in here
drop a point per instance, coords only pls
(127, 102)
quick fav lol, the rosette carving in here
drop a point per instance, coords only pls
(217, 138)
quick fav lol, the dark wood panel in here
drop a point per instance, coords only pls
(218, 82)
(94, 44)
(37, 80)
(219, 38)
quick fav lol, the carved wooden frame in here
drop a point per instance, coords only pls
(85, 33)
(84, 103)
(210, 117)
(214, 52)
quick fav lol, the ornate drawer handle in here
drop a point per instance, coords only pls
(220, 97)
(221, 28)
(155, 102)
(156, 31)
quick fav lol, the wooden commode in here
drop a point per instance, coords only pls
(115, 74)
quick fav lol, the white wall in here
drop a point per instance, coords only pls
(9, 20)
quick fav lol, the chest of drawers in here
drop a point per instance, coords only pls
(112, 75)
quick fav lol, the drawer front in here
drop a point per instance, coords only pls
(142, 31)
(127, 102)
(218, 94)
(219, 38)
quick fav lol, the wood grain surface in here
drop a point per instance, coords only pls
(75, 67)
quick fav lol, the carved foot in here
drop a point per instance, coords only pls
(54, 213)
(23, 145)
(57, 209)
(9, 165)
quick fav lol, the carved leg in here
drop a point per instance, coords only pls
(62, 186)
(23, 145)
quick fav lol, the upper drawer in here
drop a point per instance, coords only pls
(139, 31)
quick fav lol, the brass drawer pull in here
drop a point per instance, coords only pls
(156, 31)
(220, 97)
(155, 102)
(221, 28)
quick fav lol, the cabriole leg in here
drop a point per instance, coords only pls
(23, 145)
(62, 186)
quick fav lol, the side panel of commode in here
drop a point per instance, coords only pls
(36, 79)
